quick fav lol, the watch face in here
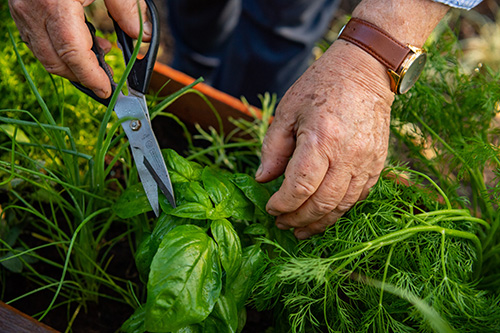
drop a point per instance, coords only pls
(411, 74)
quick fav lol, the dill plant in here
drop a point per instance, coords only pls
(410, 258)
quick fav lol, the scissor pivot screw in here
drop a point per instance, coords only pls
(135, 125)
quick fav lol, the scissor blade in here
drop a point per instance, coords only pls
(145, 149)
(165, 188)
(149, 184)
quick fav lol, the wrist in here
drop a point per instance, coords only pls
(353, 63)
(408, 21)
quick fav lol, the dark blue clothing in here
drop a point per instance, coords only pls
(247, 47)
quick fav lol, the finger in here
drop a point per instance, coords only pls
(73, 42)
(278, 146)
(44, 51)
(358, 190)
(353, 194)
(29, 17)
(303, 175)
(318, 226)
(330, 193)
(126, 14)
(369, 184)
(104, 44)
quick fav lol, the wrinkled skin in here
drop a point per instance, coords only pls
(330, 138)
(330, 133)
(331, 130)
(56, 33)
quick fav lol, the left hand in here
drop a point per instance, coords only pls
(330, 138)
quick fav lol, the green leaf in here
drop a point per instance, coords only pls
(192, 202)
(12, 130)
(224, 317)
(185, 280)
(255, 192)
(14, 265)
(135, 324)
(228, 199)
(12, 235)
(144, 255)
(165, 224)
(180, 169)
(190, 329)
(285, 238)
(250, 270)
(191, 210)
(255, 229)
(132, 202)
(229, 247)
(193, 192)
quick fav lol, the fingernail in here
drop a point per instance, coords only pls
(301, 234)
(148, 28)
(282, 226)
(273, 212)
(100, 93)
(259, 171)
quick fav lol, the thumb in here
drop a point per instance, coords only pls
(126, 14)
(277, 148)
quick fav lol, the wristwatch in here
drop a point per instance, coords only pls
(404, 63)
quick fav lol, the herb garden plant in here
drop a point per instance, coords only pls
(421, 253)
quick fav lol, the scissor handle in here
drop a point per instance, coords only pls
(141, 72)
(99, 53)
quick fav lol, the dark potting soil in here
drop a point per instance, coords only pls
(105, 315)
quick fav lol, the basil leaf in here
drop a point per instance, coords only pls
(132, 202)
(242, 319)
(213, 182)
(185, 280)
(285, 239)
(191, 210)
(165, 224)
(192, 202)
(255, 192)
(255, 229)
(180, 169)
(14, 264)
(192, 192)
(229, 247)
(228, 199)
(144, 256)
(252, 266)
(135, 324)
(191, 329)
(224, 317)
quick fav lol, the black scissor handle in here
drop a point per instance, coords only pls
(99, 53)
(141, 72)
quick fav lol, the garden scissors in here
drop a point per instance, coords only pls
(145, 149)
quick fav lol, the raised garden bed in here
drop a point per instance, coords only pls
(81, 251)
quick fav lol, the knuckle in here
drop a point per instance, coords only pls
(344, 206)
(302, 188)
(67, 54)
(57, 69)
(321, 207)
(316, 228)
(17, 6)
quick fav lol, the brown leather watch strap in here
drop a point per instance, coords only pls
(375, 41)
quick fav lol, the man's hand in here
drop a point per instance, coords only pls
(56, 33)
(330, 133)
(334, 124)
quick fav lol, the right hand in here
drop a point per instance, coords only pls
(56, 33)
